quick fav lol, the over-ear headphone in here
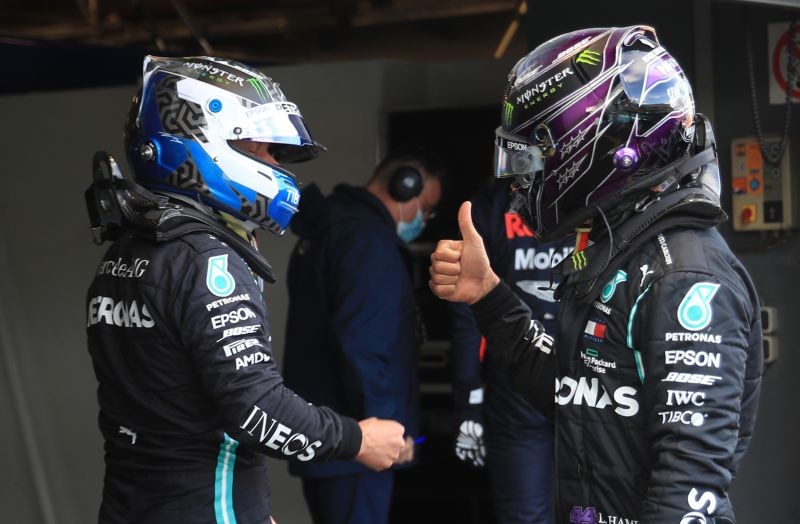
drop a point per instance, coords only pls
(405, 183)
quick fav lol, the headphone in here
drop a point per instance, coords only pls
(405, 183)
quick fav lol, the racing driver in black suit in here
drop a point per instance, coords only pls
(190, 397)
(657, 360)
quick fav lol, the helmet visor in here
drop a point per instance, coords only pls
(515, 156)
(281, 124)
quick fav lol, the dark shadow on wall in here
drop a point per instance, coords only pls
(37, 65)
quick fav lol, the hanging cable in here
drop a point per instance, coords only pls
(790, 77)
(610, 239)
(187, 21)
(146, 18)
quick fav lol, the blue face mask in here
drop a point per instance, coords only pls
(409, 231)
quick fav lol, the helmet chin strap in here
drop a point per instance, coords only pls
(582, 242)
(242, 228)
(581, 238)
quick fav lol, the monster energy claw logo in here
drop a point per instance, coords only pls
(508, 108)
(589, 57)
(579, 260)
(258, 85)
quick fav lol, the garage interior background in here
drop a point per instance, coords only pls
(355, 69)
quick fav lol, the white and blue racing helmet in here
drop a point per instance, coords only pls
(184, 131)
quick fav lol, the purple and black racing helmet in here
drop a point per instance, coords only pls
(588, 117)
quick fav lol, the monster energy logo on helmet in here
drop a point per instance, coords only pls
(259, 87)
(588, 56)
(508, 108)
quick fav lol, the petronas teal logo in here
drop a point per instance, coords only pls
(694, 311)
(258, 85)
(611, 286)
(218, 280)
(587, 56)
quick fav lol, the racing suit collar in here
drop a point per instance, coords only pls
(583, 274)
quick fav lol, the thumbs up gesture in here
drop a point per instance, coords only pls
(460, 270)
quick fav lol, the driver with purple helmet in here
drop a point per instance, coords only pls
(657, 358)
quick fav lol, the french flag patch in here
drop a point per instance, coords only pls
(595, 330)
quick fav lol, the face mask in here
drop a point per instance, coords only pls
(409, 231)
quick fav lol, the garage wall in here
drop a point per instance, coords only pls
(767, 485)
(48, 259)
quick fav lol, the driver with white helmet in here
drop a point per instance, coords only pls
(191, 400)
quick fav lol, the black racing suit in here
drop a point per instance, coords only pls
(657, 366)
(190, 397)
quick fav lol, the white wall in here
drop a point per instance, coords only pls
(46, 151)
(52, 451)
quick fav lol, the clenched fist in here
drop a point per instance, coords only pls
(381, 443)
(460, 270)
